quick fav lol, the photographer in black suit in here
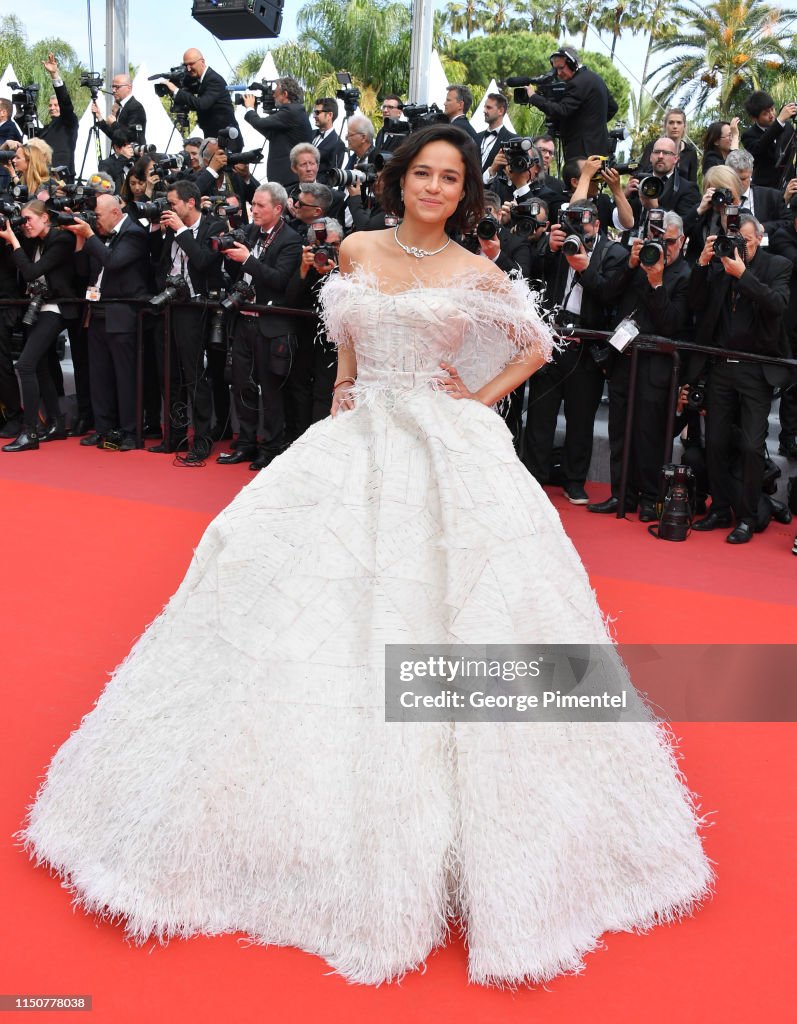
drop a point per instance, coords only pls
(61, 132)
(768, 137)
(678, 195)
(263, 344)
(783, 242)
(765, 204)
(581, 286)
(120, 162)
(459, 100)
(118, 267)
(655, 294)
(331, 149)
(583, 111)
(740, 301)
(127, 114)
(183, 250)
(285, 127)
(206, 93)
(489, 141)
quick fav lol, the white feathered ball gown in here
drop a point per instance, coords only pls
(238, 775)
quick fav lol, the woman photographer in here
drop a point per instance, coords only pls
(47, 264)
(720, 138)
(139, 185)
(711, 218)
(31, 169)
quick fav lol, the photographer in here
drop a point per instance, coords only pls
(489, 141)
(360, 140)
(120, 162)
(662, 189)
(312, 203)
(309, 387)
(720, 138)
(205, 91)
(508, 251)
(459, 100)
(217, 178)
(10, 317)
(783, 242)
(675, 129)
(9, 133)
(183, 251)
(768, 139)
(284, 127)
(305, 164)
(765, 204)
(46, 262)
(117, 265)
(263, 344)
(519, 175)
(581, 277)
(584, 110)
(586, 179)
(61, 133)
(30, 170)
(127, 114)
(653, 287)
(331, 150)
(740, 300)
(722, 190)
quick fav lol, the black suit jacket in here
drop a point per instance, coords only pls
(581, 114)
(332, 151)
(213, 106)
(132, 119)
(687, 161)
(765, 284)
(679, 196)
(600, 282)
(465, 126)
(126, 268)
(61, 132)
(767, 145)
(56, 263)
(502, 136)
(284, 128)
(769, 207)
(783, 242)
(204, 265)
(116, 167)
(271, 275)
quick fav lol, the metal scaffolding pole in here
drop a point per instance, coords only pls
(115, 44)
(421, 50)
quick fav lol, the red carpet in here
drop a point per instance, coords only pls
(93, 545)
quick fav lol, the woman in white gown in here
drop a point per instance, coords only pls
(238, 774)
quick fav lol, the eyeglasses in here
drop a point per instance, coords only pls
(390, 106)
(664, 152)
(307, 206)
(122, 85)
(672, 241)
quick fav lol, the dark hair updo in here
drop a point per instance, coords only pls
(470, 208)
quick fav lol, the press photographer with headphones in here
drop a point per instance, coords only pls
(583, 111)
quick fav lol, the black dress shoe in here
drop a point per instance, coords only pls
(53, 431)
(610, 505)
(80, 427)
(647, 512)
(713, 521)
(264, 459)
(93, 440)
(788, 447)
(128, 443)
(780, 513)
(239, 455)
(742, 533)
(27, 441)
(12, 427)
(199, 452)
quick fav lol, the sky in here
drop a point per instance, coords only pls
(159, 31)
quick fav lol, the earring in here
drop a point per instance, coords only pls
(402, 195)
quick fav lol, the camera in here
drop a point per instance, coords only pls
(10, 215)
(730, 241)
(676, 501)
(25, 99)
(653, 249)
(37, 293)
(348, 93)
(650, 187)
(177, 76)
(223, 243)
(421, 114)
(65, 219)
(176, 289)
(363, 173)
(265, 99)
(323, 253)
(721, 198)
(93, 81)
(241, 293)
(629, 167)
(518, 152)
(151, 210)
(488, 227)
(548, 86)
(524, 217)
(697, 396)
(574, 221)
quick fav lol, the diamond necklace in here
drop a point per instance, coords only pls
(419, 254)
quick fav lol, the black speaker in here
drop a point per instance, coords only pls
(240, 19)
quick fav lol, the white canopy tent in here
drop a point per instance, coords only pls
(477, 119)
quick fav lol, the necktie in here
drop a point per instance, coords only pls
(744, 201)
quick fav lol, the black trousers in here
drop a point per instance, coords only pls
(189, 329)
(252, 378)
(651, 405)
(736, 393)
(575, 379)
(308, 389)
(79, 348)
(9, 384)
(33, 369)
(112, 364)
(788, 404)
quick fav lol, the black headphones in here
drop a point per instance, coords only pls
(569, 56)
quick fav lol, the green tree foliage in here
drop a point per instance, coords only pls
(720, 51)
(27, 59)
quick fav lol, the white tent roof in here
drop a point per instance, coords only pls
(9, 75)
(477, 119)
(438, 82)
(161, 132)
(84, 127)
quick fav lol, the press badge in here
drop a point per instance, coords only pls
(93, 293)
(626, 331)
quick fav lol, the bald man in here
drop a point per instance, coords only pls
(126, 113)
(208, 96)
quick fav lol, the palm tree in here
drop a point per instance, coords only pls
(721, 49)
(498, 14)
(582, 16)
(467, 17)
(617, 16)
